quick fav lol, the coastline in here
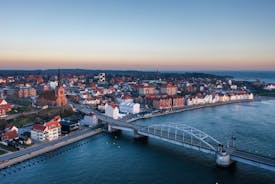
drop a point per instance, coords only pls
(50, 146)
(40, 149)
(194, 107)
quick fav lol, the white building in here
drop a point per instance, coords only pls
(270, 87)
(131, 108)
(46, 132)
(101, 77)
(112, 111)
(89, 121)
(126, 99)
(234, 87)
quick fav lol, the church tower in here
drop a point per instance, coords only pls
(61, 99)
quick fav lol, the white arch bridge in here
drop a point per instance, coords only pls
(183, 135)
(189, 137)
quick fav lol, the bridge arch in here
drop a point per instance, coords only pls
(181, 133)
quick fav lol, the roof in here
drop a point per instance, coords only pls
(5, 107)
(57, 118)
(9, 126)
(68, 123)
(10, 135)
(38, 127)
(168, 86)
(52, 124)
(149, 86)
(113, 105)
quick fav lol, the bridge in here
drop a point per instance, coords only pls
(189, 137)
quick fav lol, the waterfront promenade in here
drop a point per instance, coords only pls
(16, 157)
(182, 109)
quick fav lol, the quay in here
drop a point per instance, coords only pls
(20, 156)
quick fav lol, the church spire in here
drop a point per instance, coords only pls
(59, 78)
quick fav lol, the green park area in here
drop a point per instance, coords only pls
(40, 116)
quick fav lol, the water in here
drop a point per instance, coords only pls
(110, 159)
(265, 76)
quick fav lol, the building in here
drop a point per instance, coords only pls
(112, 111)
(89, 121)
(25, 92)
(101, 77)
(69, 126)
(61, 98)
(177, 102)
(168, 89)
(54, 97)
(270, 87)
(131, 108)
(10, 133)
(47, 132)
(124, 98)
(146, 90)
(4, 107)
(162, 103)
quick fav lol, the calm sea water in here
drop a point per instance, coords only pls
(109, 159)
(265, 76)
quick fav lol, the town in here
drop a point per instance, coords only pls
(37, 108)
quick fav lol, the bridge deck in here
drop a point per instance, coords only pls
(239, 154)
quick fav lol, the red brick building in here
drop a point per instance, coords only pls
(165, 101)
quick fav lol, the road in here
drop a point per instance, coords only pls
(13, 116)
(43, 145)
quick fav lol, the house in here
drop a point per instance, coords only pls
(10, 133)
(47, 132)
(4, 107)
(89, 121)
(270, 87)
(178, 101)
(168, 89)
(132, 108)
(125, 99)
(112, 111)
(69, 126)
(25, 92)
(144, 90)
(162, 103)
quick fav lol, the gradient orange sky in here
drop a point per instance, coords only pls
(155, 35)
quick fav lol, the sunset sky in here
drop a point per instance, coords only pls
(138, 34)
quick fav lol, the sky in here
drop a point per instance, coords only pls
(138, 34)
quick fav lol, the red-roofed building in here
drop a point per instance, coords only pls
(47, 132)
(10, 133)
(4, 107)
